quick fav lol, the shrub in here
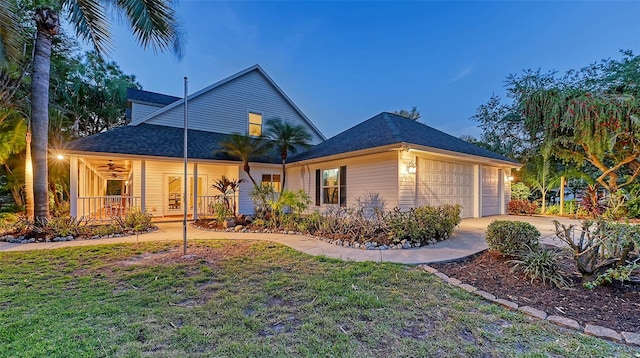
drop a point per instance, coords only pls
(9, 222)
(137, 221)
(511, 238)
(633, 208)
(542, 264)
(62, 226)
(519, 191)
(105, 230)
(517, 207)
(599, 247)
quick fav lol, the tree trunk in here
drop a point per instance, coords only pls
(28, 179)
(247, 169)
(48, 24)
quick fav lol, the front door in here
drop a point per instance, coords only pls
(174, 193)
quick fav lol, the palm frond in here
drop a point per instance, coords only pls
(89, 20)
(154, 24)
(10, 35)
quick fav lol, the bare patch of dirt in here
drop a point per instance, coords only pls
(615, 306)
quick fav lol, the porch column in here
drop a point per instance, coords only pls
(501, 187)
(195, 191)
(477, 191)
(73, 186)
(143, 186)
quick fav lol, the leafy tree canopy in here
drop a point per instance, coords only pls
(412, 114)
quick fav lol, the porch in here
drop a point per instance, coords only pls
(102, 188)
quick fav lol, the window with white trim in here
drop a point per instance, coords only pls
(255, 124)
(331, 186)
(272, 180)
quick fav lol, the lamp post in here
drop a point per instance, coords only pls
(186, 182)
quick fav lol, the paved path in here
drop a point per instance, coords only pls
(467, 239)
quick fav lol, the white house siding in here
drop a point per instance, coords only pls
(490, 191)
(407, 181)
(225, 109)
(141, 110)
(369, 174)
(445, 182)
(246, 205)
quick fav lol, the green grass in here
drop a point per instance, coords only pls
(253, 299)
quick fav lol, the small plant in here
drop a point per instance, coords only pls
(105, 230)
(228, 188)
(9, 222)
(517, 207)
(135, 220)
(591, 202)
(542, 264)
(261, 195)
(599, 246)
(63, 226)
(519, 191)
(512, 238)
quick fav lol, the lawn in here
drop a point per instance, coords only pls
(253, 299)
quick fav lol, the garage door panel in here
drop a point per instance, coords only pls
(442, 182)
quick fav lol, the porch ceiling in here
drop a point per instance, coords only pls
(111, 168)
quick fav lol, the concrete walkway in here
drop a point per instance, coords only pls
(467, 239)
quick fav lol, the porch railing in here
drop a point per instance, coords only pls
(209, 205)
(103, 208)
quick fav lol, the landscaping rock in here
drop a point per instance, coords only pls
(442, 276)
(564, 322)
(228, 223)
(467, 287)
(428, 268)
(508, 304)
(602, 332)
(238, 228)
(631, 338)
(406, 245)
(485, 295)
(454, 281)
(31, 240)
(530, 311)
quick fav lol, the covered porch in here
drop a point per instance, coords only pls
(105, 187)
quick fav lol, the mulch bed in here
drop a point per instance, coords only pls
(616, 306)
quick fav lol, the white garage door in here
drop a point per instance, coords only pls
(445, 183)
(490, 191)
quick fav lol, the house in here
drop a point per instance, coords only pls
(403, 162)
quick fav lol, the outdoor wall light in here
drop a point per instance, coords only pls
(60, 157)
(411, 167)
(510, 178)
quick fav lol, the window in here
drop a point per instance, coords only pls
(272, 180)
(255, 124)
(331, 186)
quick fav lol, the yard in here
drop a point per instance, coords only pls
(253, 298)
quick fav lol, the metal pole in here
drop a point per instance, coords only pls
(184, 200)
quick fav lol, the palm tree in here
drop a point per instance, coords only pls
(287, 138)
(152, 22)
(245, 148)
(10, 36)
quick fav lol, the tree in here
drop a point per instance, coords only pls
(152, 22)
(413, 114)
(542, 175)
(588, 116)
(502, 129)
(287, 138)
(245, 148)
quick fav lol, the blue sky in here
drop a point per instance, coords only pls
(344, 62)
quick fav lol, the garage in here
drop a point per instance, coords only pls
(490, 191)
(441, 182)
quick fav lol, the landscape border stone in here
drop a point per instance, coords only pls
(629, 338)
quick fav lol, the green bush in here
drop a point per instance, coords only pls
(517, 207)
(519, 191)
(633, 208)
(105, 230)
(9, 222)
(62, 226)
(542, 264)
(137, 221)
(511, 238)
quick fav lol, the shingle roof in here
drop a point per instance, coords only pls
(162, 141)
(135, 94)
(387, 129)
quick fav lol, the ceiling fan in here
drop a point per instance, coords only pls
(111, 167)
